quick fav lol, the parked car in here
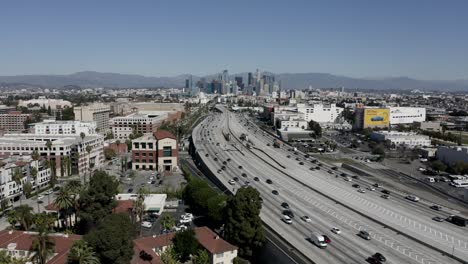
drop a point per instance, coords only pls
(386, 191)
(146, 224)
(232, 182)
(327, 239)
(356, 185)
(288, 213)
(385, 196)
(361, 190)
(256, 179)
(244, 174)
(379, 257)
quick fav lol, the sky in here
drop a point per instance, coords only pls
(424, 39)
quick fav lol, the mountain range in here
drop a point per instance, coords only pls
(288, 81)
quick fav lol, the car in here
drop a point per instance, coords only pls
(50, 191)
(224, 162)
(240, 167)
(438, 219)
(364, 234)
(232, 182)
(269, 181)
(146, 224)
(223, 167)
(244, 174)
(256, 179)
(376, 185)
(215, 159)
(386, 191)
(275, 192)
(356, 185)
(385, 196)
(306, 218)
(320, 164)
(268, 144)
(343, 174)
(348, 179)
(206, 155)
(228, 160)
(288, 213)
(317, 168)
(436, 207)
(334, 168)
(327, 239)
(130, 190)
(370, 188)
(355, 177)
(246, 183)
(219, 171)
(373, 260)
(379, 257)
(312, 168)
(40, 197)
(180, 227)
(361, 191)
(336, 230)
(288, 156)
(412, 198)
(287, 219)
(285, 205)
(301, 163)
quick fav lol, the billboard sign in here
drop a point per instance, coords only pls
(377, 117)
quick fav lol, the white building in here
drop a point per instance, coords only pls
(71, 127)
(407, 115)
(96, 112)
(68, 153)
(409, 140)
(291, 124)
(451, 155)
(54, 104)
(154, 203)
(319, 112)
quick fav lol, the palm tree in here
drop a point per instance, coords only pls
(82, 253)
(64, 202)
(42, 247)
(140, 205)
(74, 188)
(21, 214)
(7, 259)
(17, 177)
(44, 221)
(35, 155)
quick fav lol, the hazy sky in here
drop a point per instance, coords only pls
(418, 38)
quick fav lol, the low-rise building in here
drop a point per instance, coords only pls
(451, 155)
(97, 112)
(59, 127)
(407, 115)
(14, 121)
(155, 151)
(18, 244)
(69, 154)
(320, 113)
(395, 138)
(219, 250)
(429, 126)
(154, 203)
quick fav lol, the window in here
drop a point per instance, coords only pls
(220, 255)
(167, 151)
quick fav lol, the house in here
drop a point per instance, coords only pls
(220, 251)
(18, 244)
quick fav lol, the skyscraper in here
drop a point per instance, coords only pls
(250, 79)
(239, 83)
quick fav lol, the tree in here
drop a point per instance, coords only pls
(129, 144)
(112, 239)
(140, 204)
(42, 247)
(21, 215)
(7, 259)
(27, 189)
(109, 153)
(169, 256)
(44, 221)
(185, 244)
(82, 136)
(17, 177)
(82, 253)
(438, 165)
(243, 224)
(202, 257)
(64, 202)
(68, 114)
(314, 126)
(379, 150)
(146, 256)
(168, 221)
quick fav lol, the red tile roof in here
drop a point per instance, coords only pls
(24, 241)
(205, 236)
(52, 207)
(123, 206)
(160, 134)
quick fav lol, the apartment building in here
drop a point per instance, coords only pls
(68, 153)
(10, 190)
(58, 127)
(409, 140)
(4, 109)
(14, 121)
(155, 151)
(320, 113)
(97, 112)
(141, 122)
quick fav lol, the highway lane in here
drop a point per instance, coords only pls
(446, 235)
(325, 229)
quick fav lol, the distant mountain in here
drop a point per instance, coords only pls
(288, 81)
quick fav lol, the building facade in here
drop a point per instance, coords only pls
(407, 115)
(98, 112)
(320, 113)
(452, 155)
(54, 127)
(410, 140)
(14, 121)
(155, 151)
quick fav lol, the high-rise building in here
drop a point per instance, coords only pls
(97, 112)
(250, 80)
(239, 82)
(187, 84)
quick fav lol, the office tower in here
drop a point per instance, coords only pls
(239, 83)
(250, 79)
(187, 84)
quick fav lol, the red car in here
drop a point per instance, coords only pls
(327, 239)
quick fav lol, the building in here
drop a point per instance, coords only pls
(154, 203)
(96, 112)
(407, 115)
(320, 113)
(429, 126)
(141, 122)
(219, 250)
(67, 153)
(155, 151)
(410, 140)
(56, 106)
(18, 244)
(10, 190)
(452, 155)
(14, 121)
(291, 122)
(4, 109)
(371, 118)
(70, 127)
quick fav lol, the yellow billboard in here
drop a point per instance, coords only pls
(376, 117)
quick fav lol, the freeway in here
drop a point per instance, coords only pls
(267, 163)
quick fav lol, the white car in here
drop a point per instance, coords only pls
(287, 219)
(185, 220)
(40, 197)
(146, 224)
(50, 191)
(336, 230)
(149, 182)
(371, 188)
(306, 218)
(180, 228)
(361, 190)
(232, 182)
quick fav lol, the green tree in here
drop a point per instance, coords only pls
(17, 177)
(42, 247)
(314, 126)
(64, 202)
(202, 257)
(438, 165)
(168, 221)
(243, 224)
(185, 244)
(44, 221)
(82, 253)
(109, 153)
(21, 215)
(7, 259)
(112, 239)
(27, 189)
(68, 114)
(140, 204)
(169, 256)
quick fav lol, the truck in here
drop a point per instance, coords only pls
(276, 143)
(458, 220)
(318, 240)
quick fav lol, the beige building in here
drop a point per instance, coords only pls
(97, 112)
(14, 121)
